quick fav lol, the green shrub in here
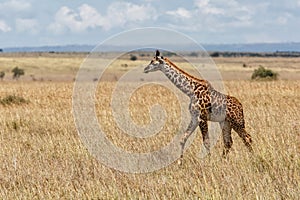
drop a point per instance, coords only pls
(13, 99)
(169, 54)
(262, 73)
(133, 57)
(17, 72)
(215, 54)
(2, 74)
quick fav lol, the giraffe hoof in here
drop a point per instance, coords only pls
(179, 162)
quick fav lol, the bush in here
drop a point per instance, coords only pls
(133, 57)
(17, 72)
(169, 54)
(13, 99)
(262, 73)
(215, 54)
(2, 74)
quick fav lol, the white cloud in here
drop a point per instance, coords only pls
(181, 13)
(27, 25)
(4, 27)
(14, 5)
(31, 21)
(122, 13)
(132, 12)
(90, 16)
(283, 19)
(66, 18)
(226, 8)
(118, 14)
(206, 7)
(220, 15)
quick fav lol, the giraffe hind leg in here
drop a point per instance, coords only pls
(205, 136)
(227, 139)
(244, 135)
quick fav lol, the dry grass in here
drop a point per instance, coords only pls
(241, 68)
(64, 66)
(42, 157)
(42, 66)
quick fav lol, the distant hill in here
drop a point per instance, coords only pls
(258, 47)
(64, 48)
(255, 47)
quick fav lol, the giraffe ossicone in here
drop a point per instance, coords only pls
(206, 104)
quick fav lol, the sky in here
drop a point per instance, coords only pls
(41, 22)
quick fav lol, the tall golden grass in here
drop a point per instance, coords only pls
(42, 157)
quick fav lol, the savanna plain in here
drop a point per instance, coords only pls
(42, 156)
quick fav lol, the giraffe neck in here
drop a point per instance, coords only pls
(179, 78)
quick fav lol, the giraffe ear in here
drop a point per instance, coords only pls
(157, 53)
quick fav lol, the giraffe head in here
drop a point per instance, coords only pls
(156, 63)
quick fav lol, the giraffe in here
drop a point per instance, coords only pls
(206, 104)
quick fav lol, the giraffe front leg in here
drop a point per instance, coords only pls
(191, 128)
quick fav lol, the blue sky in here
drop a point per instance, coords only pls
(40, 22)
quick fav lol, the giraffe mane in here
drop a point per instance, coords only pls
(181, 71)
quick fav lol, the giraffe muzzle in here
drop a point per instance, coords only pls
(146, 70)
